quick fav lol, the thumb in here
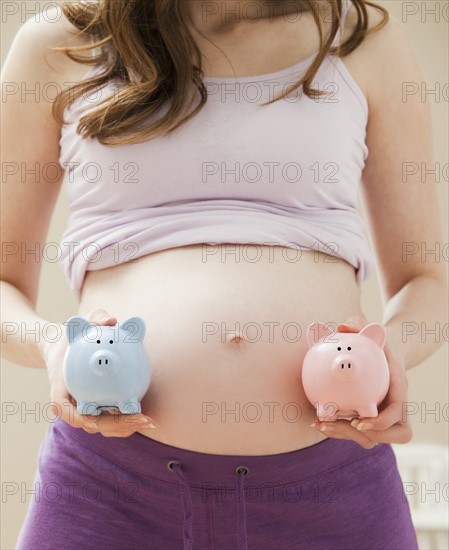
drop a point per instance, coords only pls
(102, 317)
(351, 323)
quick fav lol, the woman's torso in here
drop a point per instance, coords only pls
(209, 392)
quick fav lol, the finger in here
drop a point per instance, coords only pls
(112, 411)
(109, 433)
(116, 434)
(65, 407)
(342, 429)
(101, 317)
(89, 430)
(119, 423)
(399, 433)
(353, 324)
(123, 430)
(394, 412)
(117, 430)
(132, 418)
(69, 413)
(390, 416)
(346, 328)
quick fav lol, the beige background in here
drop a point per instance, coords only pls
(22, 433)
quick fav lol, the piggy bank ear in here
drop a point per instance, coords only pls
(375, 332)
(316, 332)
(75, 326)
(135, 326)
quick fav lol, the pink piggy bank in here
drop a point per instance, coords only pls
(345, 374)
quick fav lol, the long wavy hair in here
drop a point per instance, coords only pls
(147, 46)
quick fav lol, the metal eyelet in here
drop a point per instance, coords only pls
(243, 469)
(170, 464)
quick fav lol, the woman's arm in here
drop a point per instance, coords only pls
(30, 183)
(403, 218)
(30, 140)
(401, 199)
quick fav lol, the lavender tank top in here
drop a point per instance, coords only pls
(285, 174)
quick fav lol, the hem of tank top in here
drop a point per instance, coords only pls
(365, 268)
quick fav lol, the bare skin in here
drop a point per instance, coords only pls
(202, 370)
(198, 381)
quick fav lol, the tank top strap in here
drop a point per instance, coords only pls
(346, 6)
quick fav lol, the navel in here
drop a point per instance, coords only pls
(235, 339)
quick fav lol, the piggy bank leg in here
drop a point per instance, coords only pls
(132, 406)
(368, 410)
(325, 412)
(88, 407)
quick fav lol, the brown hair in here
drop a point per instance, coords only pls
(146, 45)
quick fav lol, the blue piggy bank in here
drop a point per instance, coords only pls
(106, 367)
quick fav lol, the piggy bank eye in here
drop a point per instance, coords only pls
(98, 341)
(339, 348)
(111, 341)
(349, 349)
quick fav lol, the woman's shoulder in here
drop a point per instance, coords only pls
(38, 35)
(377, 41)
(385, 56)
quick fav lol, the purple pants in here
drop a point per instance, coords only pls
(102, 493)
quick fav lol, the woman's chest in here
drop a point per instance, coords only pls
(297, 152)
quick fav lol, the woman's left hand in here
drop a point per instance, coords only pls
(390, 426)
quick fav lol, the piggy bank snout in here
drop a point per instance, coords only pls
(103, 362)
(345, 367)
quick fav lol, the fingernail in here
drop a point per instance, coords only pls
(106, 319)
(327, 428)
(313, 425)
(148, 421)
(355, 422)
(365, 426)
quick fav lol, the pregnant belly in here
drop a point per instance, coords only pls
(226, 334)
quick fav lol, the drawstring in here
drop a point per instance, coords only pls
(241, 472)
(175, 466)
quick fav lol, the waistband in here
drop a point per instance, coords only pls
(195, 470)
(149, 458)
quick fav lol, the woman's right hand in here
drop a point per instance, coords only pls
(109, 423)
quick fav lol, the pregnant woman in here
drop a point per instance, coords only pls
(212, 154)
